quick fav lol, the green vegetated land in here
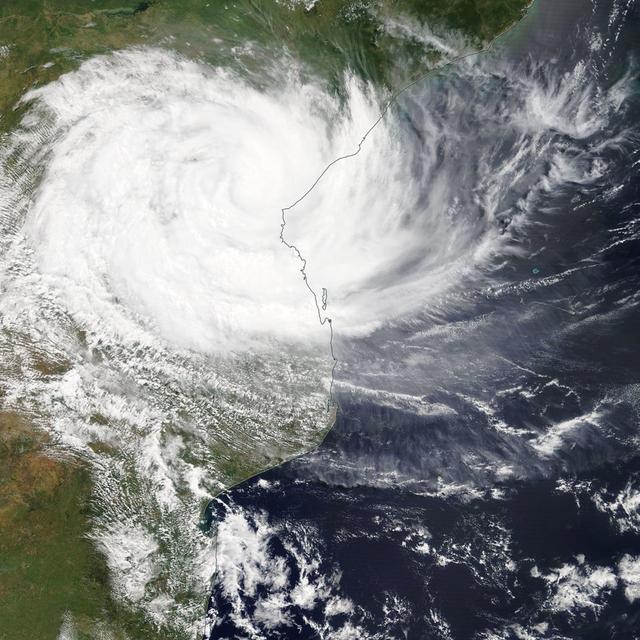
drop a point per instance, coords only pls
(48, 566)
(41, 39)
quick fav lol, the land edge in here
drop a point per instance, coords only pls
(332, 405)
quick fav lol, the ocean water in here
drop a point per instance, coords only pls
(482, 479)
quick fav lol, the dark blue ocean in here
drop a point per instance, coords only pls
(482, 479)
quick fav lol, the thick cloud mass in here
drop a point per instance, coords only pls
(164, 182)
(163, 193)
(162, 196)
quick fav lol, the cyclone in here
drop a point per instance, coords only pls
(160, 207)
(161, 199)
(183, 202)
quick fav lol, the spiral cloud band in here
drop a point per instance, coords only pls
(162, 196)
(167, 200)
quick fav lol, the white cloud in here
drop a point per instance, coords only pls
(623, 507)
(160, 206)
(130, 552)
(629, 571)
(263, 587)
(578, 588)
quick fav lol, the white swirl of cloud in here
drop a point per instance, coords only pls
(162, 192)
(160, 206)
(164, 181)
